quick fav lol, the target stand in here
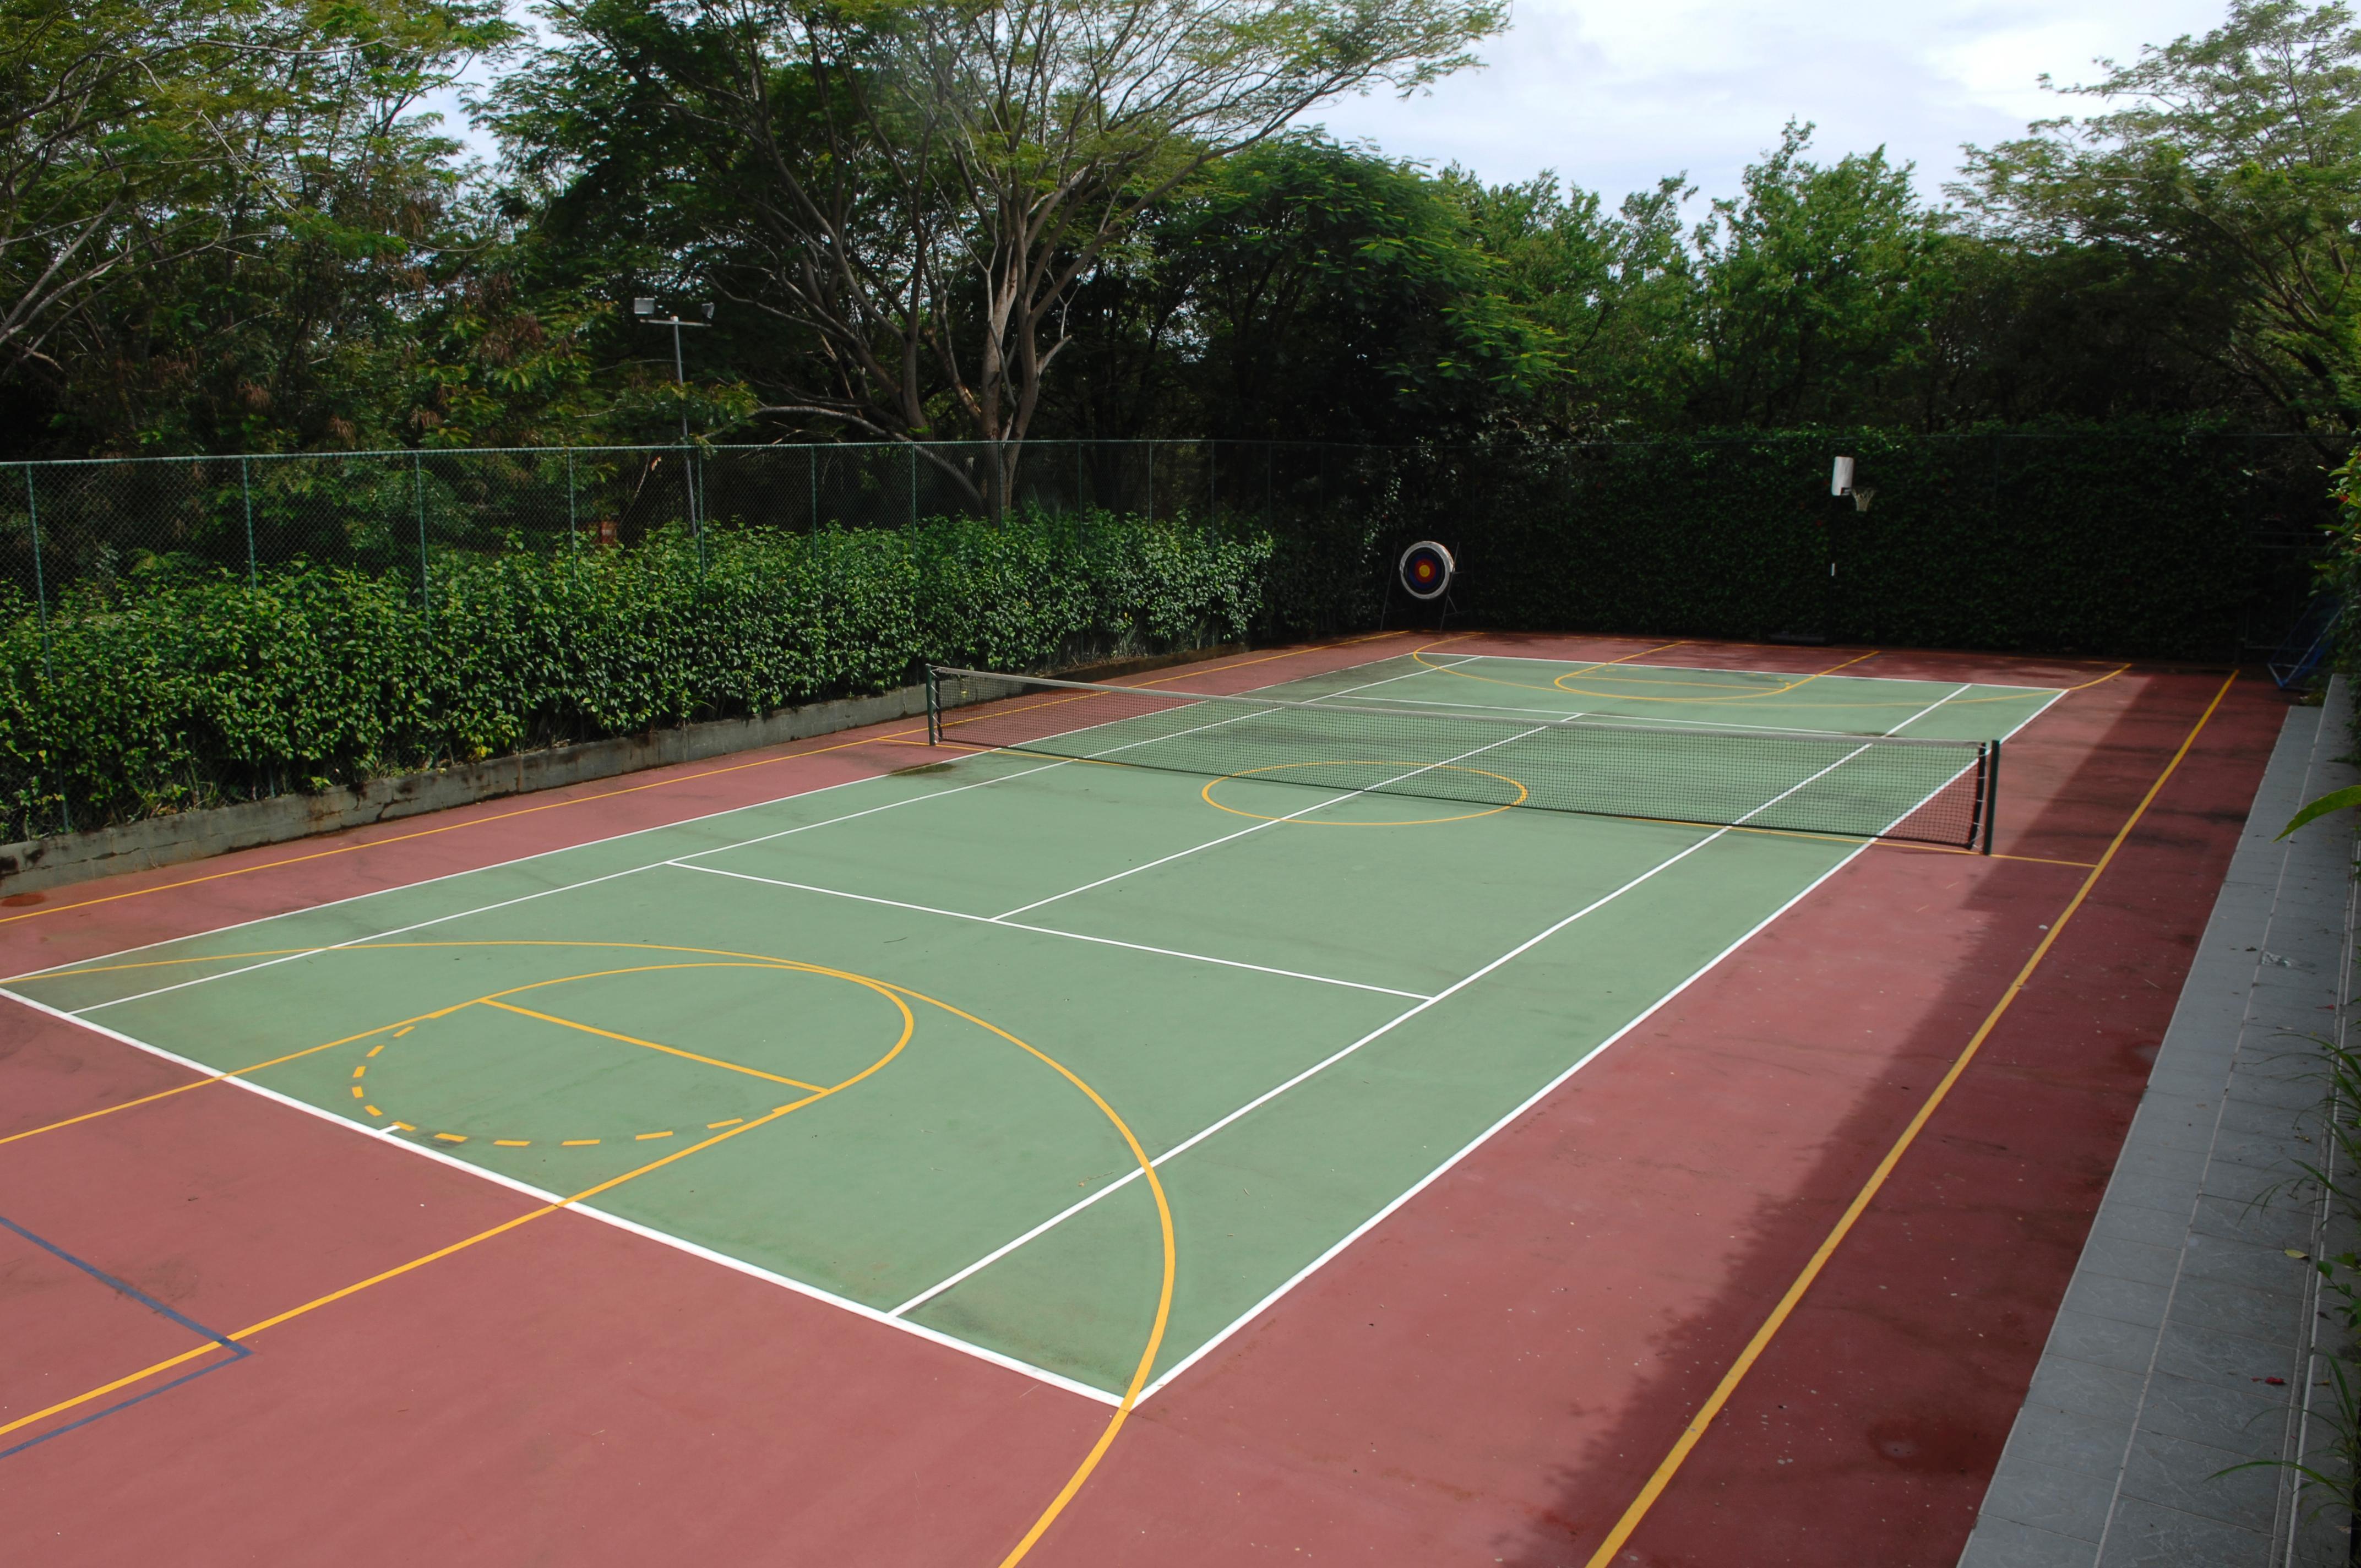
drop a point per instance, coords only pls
(1423, 575)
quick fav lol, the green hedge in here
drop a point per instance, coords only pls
(2123, 541)
(184, 688)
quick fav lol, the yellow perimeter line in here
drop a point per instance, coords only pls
(909, 1025)
(1720, 1397)
(1140, 1372)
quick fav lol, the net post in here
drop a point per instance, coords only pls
(934, 708)
(1987, 791)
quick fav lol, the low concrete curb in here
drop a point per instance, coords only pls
(192, 835)
(2186, 1343)
(38, 864)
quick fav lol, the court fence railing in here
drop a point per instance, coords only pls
(2141, 541)
(2123, 542)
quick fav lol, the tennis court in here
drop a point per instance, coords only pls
(903, 1045)
(1080, 1039)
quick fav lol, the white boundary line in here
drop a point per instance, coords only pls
(1424, 1182)
(1379, 1031)
(1534, 1098)
(67, 970)
(1717, 670)
(893, 1318)
(543, 1195)
(1007, 923)
(595, 844)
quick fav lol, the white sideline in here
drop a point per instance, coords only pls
(1379, 1031)
(64, 970)
(895, 1317)
(543, 1195)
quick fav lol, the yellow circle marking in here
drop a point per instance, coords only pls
(1057, 1505)
(1351, 762)
(497, 999)
(1558, 683)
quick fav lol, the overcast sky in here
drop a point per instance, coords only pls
(1614, 93)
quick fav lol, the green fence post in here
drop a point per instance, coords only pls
(1151, 481)
(246, 487)
(573, 533)
(913, 487)
(42, 608)
(811, 455)
(696, 513)
(418, 484)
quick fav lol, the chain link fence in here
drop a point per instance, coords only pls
(2133, 541)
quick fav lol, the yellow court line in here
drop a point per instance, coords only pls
(606, 795)
(398, 1027)
(1690, 1435)
(1140, 1374)
(908, 1027)
(632, 1040)
(1556, 683)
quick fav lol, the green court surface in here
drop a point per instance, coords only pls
(896, 1031)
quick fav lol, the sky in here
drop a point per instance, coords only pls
(1613, 94)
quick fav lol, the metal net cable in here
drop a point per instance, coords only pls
(1909, 788)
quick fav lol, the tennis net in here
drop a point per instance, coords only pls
(1920, 790)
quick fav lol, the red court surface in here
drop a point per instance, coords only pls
(1499, 1372)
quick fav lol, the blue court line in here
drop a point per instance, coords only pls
(236, 1350)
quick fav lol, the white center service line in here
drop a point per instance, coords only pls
(1040, 931)
(1379, 1033)
(64, 970)
(1229, 838)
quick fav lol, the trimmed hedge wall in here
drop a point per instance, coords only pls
(186, 687)
(2136, 543)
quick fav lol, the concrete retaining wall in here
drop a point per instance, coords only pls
(41, 863)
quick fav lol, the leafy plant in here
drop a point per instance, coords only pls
(194, 687)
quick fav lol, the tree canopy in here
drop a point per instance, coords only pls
(233, 225)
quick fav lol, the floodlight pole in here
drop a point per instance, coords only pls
(644, 308)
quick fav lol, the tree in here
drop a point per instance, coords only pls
(1614, 290)
(293, 215)
(99, 107)
(1816, 282)
(2231, 172)
(916, 188)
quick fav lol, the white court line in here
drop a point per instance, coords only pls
(1041, 1375)
(67, 970)
(1424, 1182)
(610, 838)
(1273, 822)
(1645, 720)
(1178, 1368)
(1317, 1067)
(1379, 1031)
(543, 1195)
(1711, 670)
(1041, 930)
(1926, 710)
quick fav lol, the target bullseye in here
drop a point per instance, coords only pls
(1425, 570)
